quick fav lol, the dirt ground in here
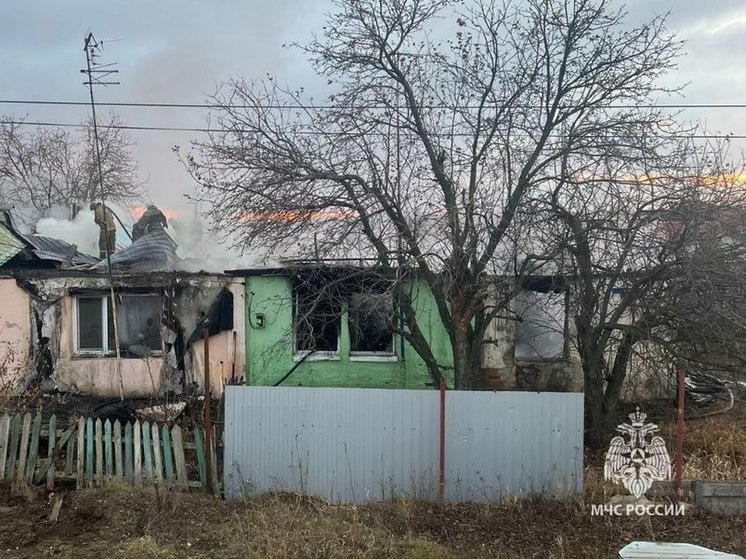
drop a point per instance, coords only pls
(123, 522)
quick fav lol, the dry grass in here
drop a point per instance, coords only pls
(715, 448)
(121, 522)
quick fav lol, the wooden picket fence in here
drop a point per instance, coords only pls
(94, 452)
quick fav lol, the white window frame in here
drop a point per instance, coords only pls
(372, 356)
(106, 351)
(104, 326)
(310, 354)
(375, 356)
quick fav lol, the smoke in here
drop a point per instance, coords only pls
(82, 231)
(198, 248)
(201, 250)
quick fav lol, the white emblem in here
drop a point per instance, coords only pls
(637, 461)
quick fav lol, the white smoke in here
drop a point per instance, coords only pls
(199, 249)
(82, 231)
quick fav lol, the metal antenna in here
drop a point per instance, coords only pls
(97, 74)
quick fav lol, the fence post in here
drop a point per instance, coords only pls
(23, 452)
(50, 451)
(442, 449)
(4, 433)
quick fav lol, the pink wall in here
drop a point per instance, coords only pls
(222, 347)
(141, 377)
(15, 333)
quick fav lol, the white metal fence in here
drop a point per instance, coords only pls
(357, 445)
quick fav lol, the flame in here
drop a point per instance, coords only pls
(137, 212)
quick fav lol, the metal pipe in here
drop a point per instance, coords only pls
(442, 449)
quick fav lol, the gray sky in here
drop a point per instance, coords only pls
(177, 51)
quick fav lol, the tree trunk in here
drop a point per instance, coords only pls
(596, 421)
(602, 395)
(466, 358)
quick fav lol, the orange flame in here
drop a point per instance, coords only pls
(137, 212)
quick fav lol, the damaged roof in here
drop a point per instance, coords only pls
(57, 250)
(154, 251)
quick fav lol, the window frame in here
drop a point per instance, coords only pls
(565, 328)
(104, 303)
(371, 356)
(343, 330)
(312, 354)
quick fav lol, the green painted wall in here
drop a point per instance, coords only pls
(269, 350)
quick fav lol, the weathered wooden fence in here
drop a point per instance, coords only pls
(94, 452)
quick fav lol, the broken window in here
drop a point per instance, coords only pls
(540, 329)
(138, 319)
(317, 318)
(370, 319)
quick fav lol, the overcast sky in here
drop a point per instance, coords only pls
(177, 51)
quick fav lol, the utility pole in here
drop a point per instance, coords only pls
(97, 74)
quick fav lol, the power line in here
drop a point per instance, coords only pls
(115, 126)
(169, 105)
(304, 133)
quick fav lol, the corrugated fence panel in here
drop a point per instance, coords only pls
(501, 444)
(358, 445)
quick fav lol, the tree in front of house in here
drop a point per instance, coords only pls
(655, 261)
(41, 169)
(445, 119)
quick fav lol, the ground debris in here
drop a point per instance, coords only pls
(130, 523)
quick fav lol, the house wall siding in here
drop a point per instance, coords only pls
(15, 334)
(52, 305)
(504, 371)
(270, 349)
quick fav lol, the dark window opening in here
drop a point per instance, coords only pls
(370, 319)
(90, 324)
(317, 320)
(540, 329)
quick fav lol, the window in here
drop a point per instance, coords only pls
(138, 319)
(317, 320)
(319, 309)
(370, 318)
(540, 330)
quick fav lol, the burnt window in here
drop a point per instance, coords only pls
(138, 320)
(540, 329)
(317, 316)
(370, 319)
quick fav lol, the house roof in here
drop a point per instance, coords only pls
(154, 251)
(57, 250)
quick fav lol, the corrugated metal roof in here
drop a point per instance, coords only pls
(155, 251)
(57, 250)
(10, 245)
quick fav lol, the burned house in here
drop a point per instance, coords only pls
(315, 327)
(65, 328)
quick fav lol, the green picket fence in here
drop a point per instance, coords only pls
(94, 452)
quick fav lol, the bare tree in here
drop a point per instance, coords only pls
(444, 119)
(44, 168)
(653, 261)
